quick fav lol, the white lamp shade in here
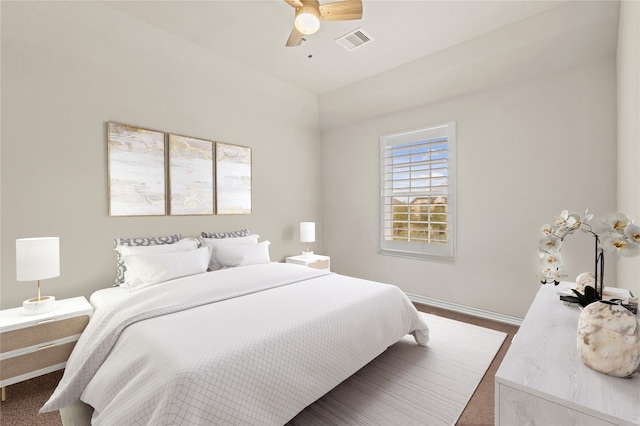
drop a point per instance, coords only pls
(37, 258)
(307, 232)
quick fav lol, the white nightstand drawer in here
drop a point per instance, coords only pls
(45, 331)
(320, 264)
(46, 356)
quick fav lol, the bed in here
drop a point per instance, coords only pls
(247, 345)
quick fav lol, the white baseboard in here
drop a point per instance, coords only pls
(465, 309)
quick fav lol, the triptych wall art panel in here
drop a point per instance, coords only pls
(191, 175)
(137, 184)
(233, 178)
(199, 171)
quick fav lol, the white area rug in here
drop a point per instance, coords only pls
(412, 385)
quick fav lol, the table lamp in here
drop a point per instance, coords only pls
(37, 259)
(307, 235)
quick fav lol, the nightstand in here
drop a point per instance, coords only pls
(315, 261)
(31, 346)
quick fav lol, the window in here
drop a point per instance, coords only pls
(417, 211)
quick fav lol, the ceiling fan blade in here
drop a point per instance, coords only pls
(341, 10)
(295, 38)
(294, 3)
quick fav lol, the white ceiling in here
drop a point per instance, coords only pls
(254, 33)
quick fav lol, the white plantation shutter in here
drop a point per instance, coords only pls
(417, 214)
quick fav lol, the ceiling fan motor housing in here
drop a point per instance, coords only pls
(309, 13)
(308, 17)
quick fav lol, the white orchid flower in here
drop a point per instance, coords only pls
(632, 231)
(547, 230)
(616, 232)
(547, 274)
(562, 219)
(552, 273)
(587, 216)
(620, 245)
(574, 221)
(616, 221)
(632, 250)
(559, 274)
(553, 260)
(552, 244)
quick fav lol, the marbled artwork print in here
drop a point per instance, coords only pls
(233, 179)
(136, 171)
(190, 175)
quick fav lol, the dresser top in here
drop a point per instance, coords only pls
(543, 360)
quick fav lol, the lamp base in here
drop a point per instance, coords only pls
(307, 254)
(37, 306)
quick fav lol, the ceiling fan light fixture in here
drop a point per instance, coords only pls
(307, 19)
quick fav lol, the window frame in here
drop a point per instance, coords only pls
(426, 251)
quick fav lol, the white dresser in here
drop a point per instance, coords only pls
(542, 380)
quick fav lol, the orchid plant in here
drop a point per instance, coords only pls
(615, 234)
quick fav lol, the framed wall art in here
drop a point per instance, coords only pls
(136, 171)
(233, 179)
(190, 176)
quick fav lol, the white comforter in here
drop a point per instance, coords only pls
(250, 345)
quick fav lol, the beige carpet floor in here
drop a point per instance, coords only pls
(24, 399)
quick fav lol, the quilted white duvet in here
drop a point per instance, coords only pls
(249, 345)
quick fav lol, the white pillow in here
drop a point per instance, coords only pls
(186, 244)
(230, 256)
(214, 243)
(147, 269)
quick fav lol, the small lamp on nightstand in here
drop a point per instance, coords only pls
(38, 259)
(307, 235)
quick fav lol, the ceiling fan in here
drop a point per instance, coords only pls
(310, 12)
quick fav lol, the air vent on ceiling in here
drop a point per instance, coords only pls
(354, 39)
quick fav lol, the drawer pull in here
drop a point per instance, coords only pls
(46, 346)
(46, 321)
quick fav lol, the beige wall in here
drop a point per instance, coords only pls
(532, 140)
(536, 111)
(524, 153)
(628, 61)
(67, 69)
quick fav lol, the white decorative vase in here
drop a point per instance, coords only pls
(609, 340)
(585, 279)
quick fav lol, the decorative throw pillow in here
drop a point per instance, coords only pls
(132, 242)
(213, 243)
(231, 256)
(147, 269)
(228, 234)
